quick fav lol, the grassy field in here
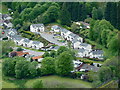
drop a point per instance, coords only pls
(48, 82)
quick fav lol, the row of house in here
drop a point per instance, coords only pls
(6, 21)
(12, 34)
(83, 49)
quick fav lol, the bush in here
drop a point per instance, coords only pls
(19, 49)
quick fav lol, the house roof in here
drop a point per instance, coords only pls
(20, 53)
(18, 38)
(84, 44)
(90, 67)
(26, 40)
(37, 25)
(37, 57)
(36, 42)
(64, 30)
(97, 52)
(81, 50)
(55, 27)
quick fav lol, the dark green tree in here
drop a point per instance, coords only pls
(48, 66)
(64, 64)
(64, 16)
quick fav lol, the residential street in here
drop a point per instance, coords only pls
(35, 53)
(49, 37)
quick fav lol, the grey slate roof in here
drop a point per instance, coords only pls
(37, 25)
(64, 30)
(84, 44)
(18, 38)
(56, 27)
(97, 52)
(36, 42)
(26, 40)
(81, 50)
(90, 67)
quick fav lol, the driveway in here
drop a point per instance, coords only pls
(49, 37)
(35, 53)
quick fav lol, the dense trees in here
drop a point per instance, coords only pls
(19, 67)
(65, 17)
(64, 64)
(48, 66)
(112, 12)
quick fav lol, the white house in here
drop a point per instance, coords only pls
(79, 45)
(37, 45)
(65, 33)
(25, 42)
(37, 28)
(76, 44)
(8, 24)
(85, 46)
(82, 53)
(96, 54)
(18, 40)
(55, 28)
(77, 63)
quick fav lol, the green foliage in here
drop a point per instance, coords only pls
(105, 74)
(50, 15)
(19, 49)
(61, 49)
(21, 69)
(38, 84)
(53, 54)
(65, 17)
(7, 46)
(48, 66)
(113, 46)
(94, 13)
(64, 64)
(46, 54)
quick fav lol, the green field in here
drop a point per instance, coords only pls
(48, 82)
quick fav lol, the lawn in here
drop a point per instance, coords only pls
(60, 82)
(48, 82)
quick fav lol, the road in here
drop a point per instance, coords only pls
(49, 37)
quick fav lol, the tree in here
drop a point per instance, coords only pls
(19, 49)
(113, 46)
(51, 14)
(61, 49)
(21, 69)
(53, 54)
(38, 84)
(75, 28)
(105, 73)
(64, 64)
(100, 13)
(32, 69)
(7, 46)
(64, 16)
(48, 66)
(94, 13)
(8, 67)
(46, 54)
